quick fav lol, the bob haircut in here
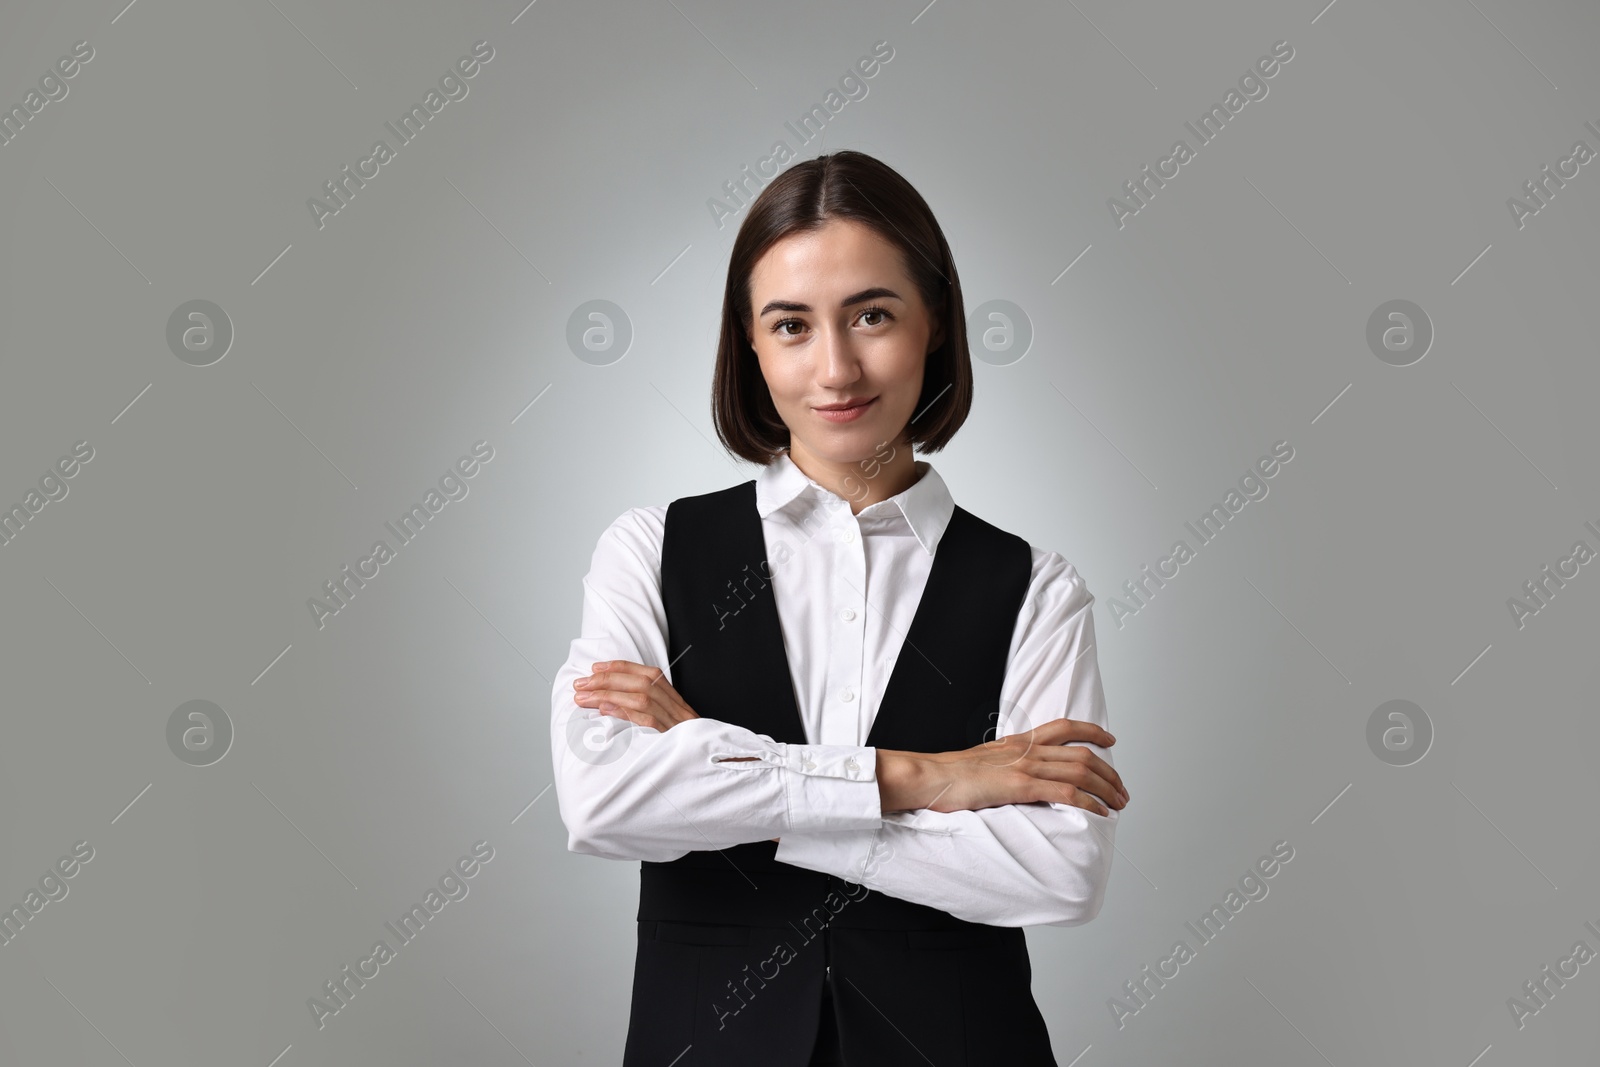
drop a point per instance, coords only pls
(840, 185)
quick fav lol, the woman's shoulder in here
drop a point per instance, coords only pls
(1055, 588)
(641, 530)
(639, 527)
(1049, 565)
(628, 550)
(1046, 565)
(633, 537)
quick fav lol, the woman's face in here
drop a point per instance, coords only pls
(838, 320)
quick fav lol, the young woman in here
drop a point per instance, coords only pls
(854, 733)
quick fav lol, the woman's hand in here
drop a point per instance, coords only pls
(632, 691)
(1038, 765)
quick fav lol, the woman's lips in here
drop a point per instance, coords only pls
(846, 414)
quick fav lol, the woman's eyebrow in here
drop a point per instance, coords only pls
(877, 292)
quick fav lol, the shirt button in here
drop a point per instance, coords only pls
(806, 763)
(848, 614)
(848, 695)
(852, 766)
(849, 535)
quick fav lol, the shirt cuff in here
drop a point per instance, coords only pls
(833, 787)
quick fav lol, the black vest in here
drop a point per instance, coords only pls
(728, 660)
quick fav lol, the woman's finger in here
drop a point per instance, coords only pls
(612, 679)
(1014, 748)
(638, 718)
(1061, 731)
(1080, 776)
(637, 708)
(631, 677)
(646, 687)
(607, 700)
(1080, 754)
(630, 669)
(1080, 799)
(1052, 792)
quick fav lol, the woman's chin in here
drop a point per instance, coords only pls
(848, 449)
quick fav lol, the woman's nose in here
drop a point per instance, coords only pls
(837, 362)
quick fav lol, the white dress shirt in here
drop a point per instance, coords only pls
(847, 586)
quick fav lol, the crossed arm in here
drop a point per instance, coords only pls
(1014, 832)
(1026, 767)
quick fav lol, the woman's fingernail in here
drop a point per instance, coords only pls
(581, 683)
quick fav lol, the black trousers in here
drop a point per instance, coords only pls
(732, 996)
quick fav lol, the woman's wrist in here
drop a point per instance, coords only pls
(901, 776)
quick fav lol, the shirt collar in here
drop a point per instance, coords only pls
(926, 505)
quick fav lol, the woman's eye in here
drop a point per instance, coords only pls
(883, 314)
(880, 315)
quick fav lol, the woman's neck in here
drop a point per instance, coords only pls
(890, 470)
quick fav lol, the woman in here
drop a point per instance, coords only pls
(827, 708)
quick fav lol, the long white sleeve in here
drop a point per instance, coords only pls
(631, 792)
(1018, 864)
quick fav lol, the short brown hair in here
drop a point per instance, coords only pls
(848, 185)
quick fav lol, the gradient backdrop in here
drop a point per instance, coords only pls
(245, 389)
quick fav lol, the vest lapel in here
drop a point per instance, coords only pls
(944, 691)
(724, 637)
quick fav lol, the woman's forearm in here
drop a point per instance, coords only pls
(902, 781)
(1042, 765)
(699, 785)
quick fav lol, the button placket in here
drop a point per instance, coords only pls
(849, 635)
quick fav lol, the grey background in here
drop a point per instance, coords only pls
(1229, 314)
